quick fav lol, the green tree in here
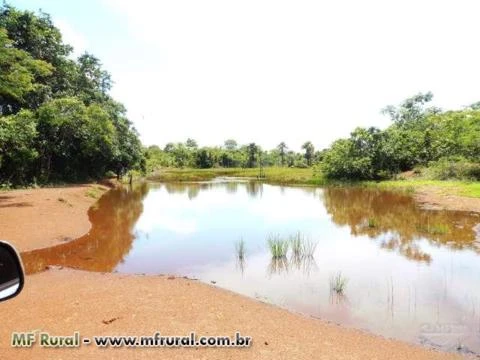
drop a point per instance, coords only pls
(18, 75)
(282, 151)
(309, 152)
(92, 83)
(204, 158)
(191, 144)
(18, 135)
(252, 151)
(230, 144)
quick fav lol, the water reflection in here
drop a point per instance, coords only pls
(305, 263)
(107, 243)
(406, 267)
(398, 223)
(278, 265)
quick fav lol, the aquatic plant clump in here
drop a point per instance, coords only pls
(372, 223)
(302, 246)
(308, 247)
(338, 283)
(278, 246)
(296, 244)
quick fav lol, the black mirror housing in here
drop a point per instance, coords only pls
(11, 272)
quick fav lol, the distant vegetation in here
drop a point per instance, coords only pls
(442, 145)
(59, 123)
(230, 155)
(427, 141)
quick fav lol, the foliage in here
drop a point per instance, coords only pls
(309, 152)
(419, 136)
(57, 121)
(450, 168)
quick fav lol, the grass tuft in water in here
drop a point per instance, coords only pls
(434, 229)
(240, 249)
(308, 247)
(338, 283)
(372, 223)
(296, 244)
(278, 246)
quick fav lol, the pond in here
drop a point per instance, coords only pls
(406, 272)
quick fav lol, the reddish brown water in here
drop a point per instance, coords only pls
(411, 274)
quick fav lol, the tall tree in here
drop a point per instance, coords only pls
(230, 144)
(191, 144)
(309, 152)
(252, 150)
(282, 151)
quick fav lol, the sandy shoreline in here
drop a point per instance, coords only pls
(63, 301)
(433, 198)
(38, 218)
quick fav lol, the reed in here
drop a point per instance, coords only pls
(240, 249)
(278, 246)
(308, 247)
(338, 283)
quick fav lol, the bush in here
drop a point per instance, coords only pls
(454, 168)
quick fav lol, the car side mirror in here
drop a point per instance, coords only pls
(11, 272)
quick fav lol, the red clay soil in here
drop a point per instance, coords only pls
(63, 301)
(38, 218)
(432, 198)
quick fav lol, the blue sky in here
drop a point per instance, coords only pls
(273, 70)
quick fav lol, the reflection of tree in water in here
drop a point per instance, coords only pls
(109, 240)
(193, 192)
(231, 187)
(254, 188)
(192, 189)
(398, 221)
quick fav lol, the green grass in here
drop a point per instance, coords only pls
(372, 223)
(273, 175)
(434, 229)
(297, 176)
(296, 244)
(461, 188)
(240, 249)
(338, 283)
(278, 246)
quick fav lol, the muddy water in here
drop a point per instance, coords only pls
(411, 274)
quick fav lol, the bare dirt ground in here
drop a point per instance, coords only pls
(433, 198)
(63, 301)
(37, 218)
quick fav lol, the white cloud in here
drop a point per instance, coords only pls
(72, 37)
(276, 70)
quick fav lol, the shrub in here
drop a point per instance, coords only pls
(454, 168)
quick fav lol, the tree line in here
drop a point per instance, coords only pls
(229, 155)
(445, 144)
(57, 120)
(59, 123)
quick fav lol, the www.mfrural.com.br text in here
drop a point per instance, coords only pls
(47, 340)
